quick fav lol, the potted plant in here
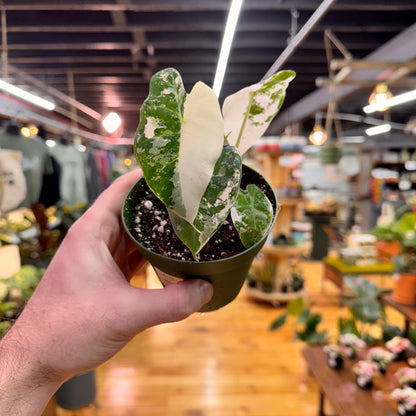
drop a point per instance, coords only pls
(334, 355)
(406, 401)
(401, 231)
(381, 357)
(406, 376)
(351, 343)
(404, 290)
(197, 211)
(365, 371)
(398, 346)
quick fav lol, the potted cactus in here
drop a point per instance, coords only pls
(197, 211)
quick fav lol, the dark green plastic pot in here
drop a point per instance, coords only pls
(226, 275)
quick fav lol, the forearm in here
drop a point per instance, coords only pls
(25, 385)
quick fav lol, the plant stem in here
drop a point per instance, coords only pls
(240, 134)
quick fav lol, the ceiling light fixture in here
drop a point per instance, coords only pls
(111, 122)
(27, 96)
(382, 128)
(396, 100)
(380, 96)
(227, 41)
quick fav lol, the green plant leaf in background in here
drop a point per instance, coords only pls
(248, 112)
(252, 215)
(278, 322)
(178, 142)
(215, 205)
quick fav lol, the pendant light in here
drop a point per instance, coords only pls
(318, 135)
(380, 96)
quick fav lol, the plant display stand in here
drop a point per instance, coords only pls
(276, 298)
(281, 256)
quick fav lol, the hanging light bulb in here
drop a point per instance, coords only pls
(380, 96)
(318, 136)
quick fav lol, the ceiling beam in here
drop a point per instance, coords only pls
(400, 48)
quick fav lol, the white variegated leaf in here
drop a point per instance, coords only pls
(201, 144)
(248, 112)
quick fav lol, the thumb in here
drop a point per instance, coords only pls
(172, 303)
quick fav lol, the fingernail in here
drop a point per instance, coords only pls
(206, 291)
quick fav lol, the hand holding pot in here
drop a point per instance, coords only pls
(84, 310)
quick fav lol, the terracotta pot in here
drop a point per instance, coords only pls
(404, 289)
(387, 249)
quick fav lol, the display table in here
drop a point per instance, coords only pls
(408, 311)
(335, 270)
(340, 388)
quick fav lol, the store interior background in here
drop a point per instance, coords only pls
(91, 58)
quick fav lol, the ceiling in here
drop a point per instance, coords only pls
(95, 56)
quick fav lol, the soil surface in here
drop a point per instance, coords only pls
(151, 226)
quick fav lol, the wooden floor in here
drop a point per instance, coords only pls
(223, 363)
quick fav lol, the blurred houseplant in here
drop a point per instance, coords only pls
(15, 292)
(402, 230)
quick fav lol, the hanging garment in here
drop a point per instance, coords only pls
(50, 193)
(73, 187)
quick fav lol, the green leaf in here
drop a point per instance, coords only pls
(248, 112)
(304, 316)
(309, 334)
(295, 307)
(4, 327)
(252, 215)
(390, 331)
(178, 142)
(215, 205)
(362, 288)
(278, 322)
(348, 326)
(366, 311)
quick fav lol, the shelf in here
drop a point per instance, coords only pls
(275, 298)
(287, 251)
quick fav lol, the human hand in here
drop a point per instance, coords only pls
(84, 309)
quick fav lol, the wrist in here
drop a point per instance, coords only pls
(25, 384)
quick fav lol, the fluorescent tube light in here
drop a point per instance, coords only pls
(395, 100)
(27, 96)
(382, 128)
(227, 41)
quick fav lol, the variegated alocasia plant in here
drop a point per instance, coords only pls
(190, 154)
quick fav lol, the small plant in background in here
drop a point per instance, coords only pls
(406, 376)
(305, 322)
(381, 357)
(352, 343)
(334, 354)
(367, 313)
(398, 346)
(365, 370)
(261, 276)
(405, 399)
